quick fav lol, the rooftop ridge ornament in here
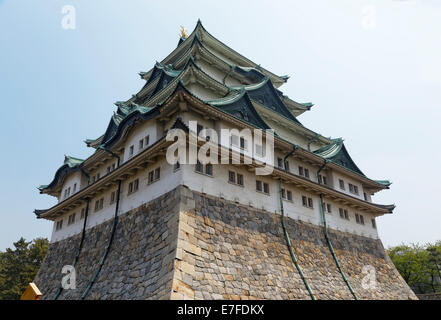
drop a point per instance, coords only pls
(183, 33)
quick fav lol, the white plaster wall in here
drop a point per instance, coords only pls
(149, 128)
(169, 180)
(69, 182)
(336, 176)
(217, 185)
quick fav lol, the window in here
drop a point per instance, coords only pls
(259, 185)
(322, 179)
(71, 219)
(329, 208)
(74, 188)
(109, 169)
(209, 169)
(286, 194)
(199, 129)
(131, 150)
(342, 184)
(112, 197)
(304, 201)
(280, 163)
(113, 166)
(243, 143)
(365, 196)
(99, 204)
(133, 187)
(147, 140)
(198, 167)
(154, 175)
(240, 179)
(355, 189)
(141, 144)
(359, 218)
(232, 176)
(59, 225)
(374, 225)
(265, 188)
(286, 165)
(234, 140)
(83, 213)
(307, 202)
(306, 173)
(344, 213)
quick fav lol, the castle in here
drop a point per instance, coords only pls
(134, 225)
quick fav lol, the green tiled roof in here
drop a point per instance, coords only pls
(337, 153)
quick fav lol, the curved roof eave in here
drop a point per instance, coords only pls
(70, 164)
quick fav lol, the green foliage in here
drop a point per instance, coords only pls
(19, 266)
(420, 266)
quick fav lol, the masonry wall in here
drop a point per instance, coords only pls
(187, 245)
(140, 262)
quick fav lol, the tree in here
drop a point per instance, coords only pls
(420, 266)
(19, 266)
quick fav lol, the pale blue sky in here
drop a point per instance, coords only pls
(378, 85)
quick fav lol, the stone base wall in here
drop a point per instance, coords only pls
(187, 245)
(140, 262)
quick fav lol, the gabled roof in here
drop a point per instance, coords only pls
(265, 94)
(70, 164)
(240, 106)
(203, 36)
(337, 153)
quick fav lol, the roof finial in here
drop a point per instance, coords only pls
(183, 33)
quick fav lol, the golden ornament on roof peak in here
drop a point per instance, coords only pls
(183, 32)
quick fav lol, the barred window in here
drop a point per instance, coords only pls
(232, 176)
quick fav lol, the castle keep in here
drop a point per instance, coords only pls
(136, 226)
